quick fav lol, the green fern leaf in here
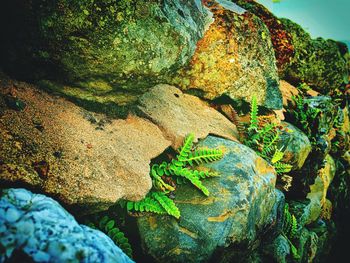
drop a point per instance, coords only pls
(187, 145)
(253, 114)
(190, 175)
(277, 156)
(168, 204)
(282, 168)
(203, 156)
(148, 204)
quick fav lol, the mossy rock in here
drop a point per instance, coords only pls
(312, 60)
(105, 52)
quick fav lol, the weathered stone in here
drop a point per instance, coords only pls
(100, 51)
(288, 92)
(234, 58)
(179, 114)
(83, 159)
(280, 37)
(35, 228)
(318, 191)
(296, 145)
(225, 223)
(311, 61)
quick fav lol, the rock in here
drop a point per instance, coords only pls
(288, 92)
(318, 191)
(222, 225)
(296, 145)
(42, 231)
(179, 114)
(280, 37)
(100, 52)
(83, 159)
(234, 58)
(311, 61)
(279, 249)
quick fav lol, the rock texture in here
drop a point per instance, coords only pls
(223, 225)
(83, 159)
(103, 52)
(178, 114)
(296, 145)
(36, 228)
(311, 61)
(234, 58)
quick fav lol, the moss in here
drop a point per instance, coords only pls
(312, 60)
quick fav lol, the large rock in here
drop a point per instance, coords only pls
(179, 114)
(295, 144)
(102, 51)
(222, 226)
(235, 58)
(85, 160)
(280, 37)
(312, 60)
(35, 228)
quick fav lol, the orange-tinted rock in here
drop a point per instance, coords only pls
(234, 58)
(83, 159)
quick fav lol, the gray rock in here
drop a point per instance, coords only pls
(41, 229)
(223, 224)
(296, 145)
(179, 114)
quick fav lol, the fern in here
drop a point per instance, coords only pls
(167, 203)
(109, 227)
(203, 156)
(232, 115)
(282, 168)
(277, 156)
(289, 230)
(253, 114)
(148, 204)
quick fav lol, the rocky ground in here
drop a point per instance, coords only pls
(97, 100)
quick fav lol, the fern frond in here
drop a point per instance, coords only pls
(203, 156)
(253, 114)
(204, 174)
(232, 115)
(167, 203)
(148, 204)
(190, 175)
(109, 227)
(185, 149)
(290, 224)
(156, 172)
(277, 156)
(282, 168)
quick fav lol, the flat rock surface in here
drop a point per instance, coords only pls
(178, 114)
(79, 157)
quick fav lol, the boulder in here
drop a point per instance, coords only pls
(104, 52)
(222, 226)
(296, 145)
(280, 37)
(310, 63)
(234, 58)
(85, 160)
(35, 228)
(178, 114)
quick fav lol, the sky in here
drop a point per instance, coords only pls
(321, 18)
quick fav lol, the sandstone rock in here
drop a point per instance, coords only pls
(100, 52)
(234, 58)
(296, 145)
(35, 228)
(178, 114)
(224, 224)
(83, 159)
(311, 61)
